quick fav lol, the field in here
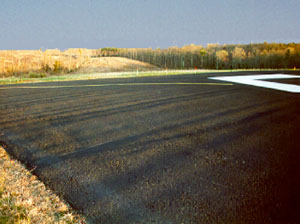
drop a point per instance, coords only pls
(35, 62)
(24, 66)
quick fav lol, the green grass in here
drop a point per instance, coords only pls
(42, 77)
(37, 75)
(9, 212)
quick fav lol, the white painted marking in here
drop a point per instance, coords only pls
(114, 84)
(256, 80)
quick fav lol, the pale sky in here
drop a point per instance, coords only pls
(34, 24)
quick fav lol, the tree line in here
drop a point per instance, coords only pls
(215, 56)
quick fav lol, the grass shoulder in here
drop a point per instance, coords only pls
(24, 199)
(45, 77)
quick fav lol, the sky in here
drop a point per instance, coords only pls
(62, 24)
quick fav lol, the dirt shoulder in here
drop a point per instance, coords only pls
(25, 199)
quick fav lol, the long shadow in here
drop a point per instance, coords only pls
(58, 111)
(127, 142)
(169, 127)
(46, 99)
(138, 107)
(93, 106)
(46, 114)
(50, 96)
(31, 92)
(82, 107)
(121, 109)
(119, 183)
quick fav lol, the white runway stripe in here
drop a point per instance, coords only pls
(257, 80)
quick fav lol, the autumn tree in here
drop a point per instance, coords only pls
(264, 55)
(238, 55)
(222, 58)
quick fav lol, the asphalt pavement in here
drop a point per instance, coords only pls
(173, 149)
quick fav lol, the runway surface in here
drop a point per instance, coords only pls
(174, 149)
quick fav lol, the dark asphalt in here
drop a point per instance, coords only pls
(161, 153)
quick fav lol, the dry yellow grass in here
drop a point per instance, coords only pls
(113, 64)
(24, 199)
(15, 62)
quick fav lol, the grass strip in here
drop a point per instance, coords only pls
(73, 77)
